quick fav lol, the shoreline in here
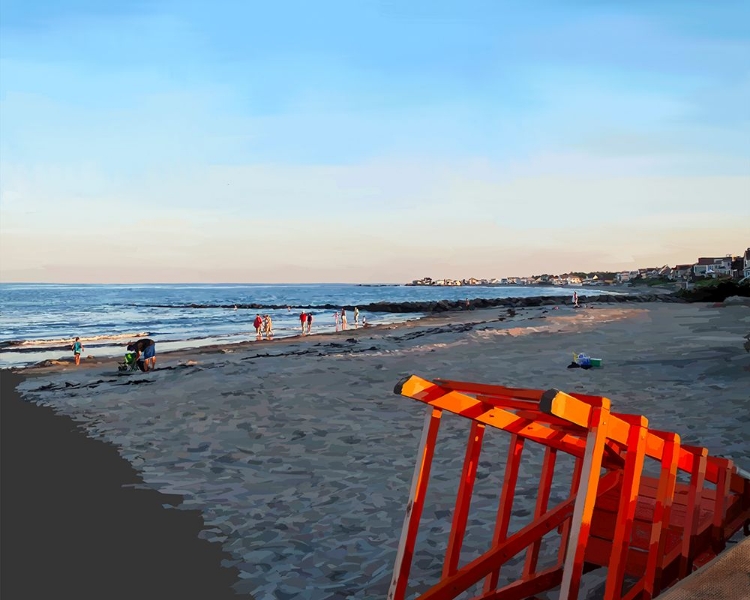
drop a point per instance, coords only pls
(428, 310)
(463, 317)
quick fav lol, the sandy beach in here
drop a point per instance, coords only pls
(299, 456)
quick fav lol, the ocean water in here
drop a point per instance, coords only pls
(39, 321)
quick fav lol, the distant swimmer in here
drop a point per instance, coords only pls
(146, 347)
(77, 348)
(356, 316)
(343, 318)
(258, 323)
(303, 321)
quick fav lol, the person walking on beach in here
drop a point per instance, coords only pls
(356, 317)
(343, 318)
(309, 322)
(258, 323)
(147, 347)
(303, 321)
(77, 348)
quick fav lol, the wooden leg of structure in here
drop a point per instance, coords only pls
(463, 499)
(565, 527)
(505, 507)
(417, 495)
(662, 510)
(542, 500)
(584, 506)
(631, 482)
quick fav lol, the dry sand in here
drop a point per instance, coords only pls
(300, 456)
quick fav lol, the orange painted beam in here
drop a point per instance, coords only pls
(420, 479)
(490, 390)
(542, 500)
(626, 510)
(588, 490)
(463, 499)
(505, 506)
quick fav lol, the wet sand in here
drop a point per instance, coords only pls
(78, 522)
(300, 456)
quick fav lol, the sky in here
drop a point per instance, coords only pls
(183, 141)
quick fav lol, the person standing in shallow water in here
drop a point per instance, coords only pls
(77, 349)
(303, 321)
(336, 317)
(575, 299)
(258, 323)
(356, 316)
(309, 322)
(343, 318)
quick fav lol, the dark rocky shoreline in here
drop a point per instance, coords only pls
(438, 306)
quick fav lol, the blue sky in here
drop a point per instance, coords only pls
(369, 141)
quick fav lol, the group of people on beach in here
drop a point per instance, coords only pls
(143, 351)
(340, 319)
(263, 327)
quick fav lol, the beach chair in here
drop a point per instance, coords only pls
(128, 364)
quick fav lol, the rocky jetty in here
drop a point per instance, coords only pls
(451, 305)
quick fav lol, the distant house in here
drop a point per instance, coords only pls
(623, 277)
(713, 267)
(665, 272)
(746, 266)
(681, 272)
(738, 265)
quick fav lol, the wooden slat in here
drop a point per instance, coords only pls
(463, 498)
(505, 507)
(626, 510)
(421, 478)
(542, 500)
(585, 501)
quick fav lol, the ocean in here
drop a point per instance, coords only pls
(39, 321)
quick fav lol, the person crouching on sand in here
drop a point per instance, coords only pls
(147, 347)
(257, 323)
(77, 348)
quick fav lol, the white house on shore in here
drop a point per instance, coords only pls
(713, 267)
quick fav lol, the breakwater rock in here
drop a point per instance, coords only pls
(715, 293)
(448, 305)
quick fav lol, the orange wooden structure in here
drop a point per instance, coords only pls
(653, 530)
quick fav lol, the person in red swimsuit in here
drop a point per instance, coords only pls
(258, 323)
(303, 321)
